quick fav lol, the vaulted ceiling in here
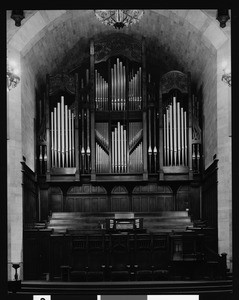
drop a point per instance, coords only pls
(52, 41)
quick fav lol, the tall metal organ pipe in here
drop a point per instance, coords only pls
(62, 136)
(118, 149)
(175, 135)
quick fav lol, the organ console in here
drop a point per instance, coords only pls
(116, 122)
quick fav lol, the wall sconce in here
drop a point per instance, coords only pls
(222, 17)
(12, 77)
(226, 76)
(17, 16)
(15, 267)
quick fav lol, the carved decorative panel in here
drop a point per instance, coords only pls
(119, 44)
(62, 82)
(86, 189)
(174, 80)
(119, 190)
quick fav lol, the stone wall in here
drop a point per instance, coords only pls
(28, 115)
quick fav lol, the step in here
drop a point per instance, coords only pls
(112, 214)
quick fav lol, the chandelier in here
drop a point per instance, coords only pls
(118, 17)
(12, 77)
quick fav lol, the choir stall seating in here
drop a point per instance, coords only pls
(81, 249)
(83, 222)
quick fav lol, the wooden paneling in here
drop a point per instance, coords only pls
(175, 251)
(56, 199)
(194, 204)
(85, 204)
(120, 203)
(36, 254)
(86, 198)
(60, 245)
(147, 203)
(30, 198)
(209, 195)
(182, 198)
(151, 198)
(44, 210)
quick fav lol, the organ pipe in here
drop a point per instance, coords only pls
(62, 133)
(59, 133)
(70, 141)
(83, 139)
(198, 157)
(118, 149)
(40, 158)
(62, 136)
(52, 138)
(164, 139)
(122, 147)
(182, 133)
(167, 137)
(179, 133)
(185, 136)
(67, 135)
(150, 148)
(55, 137)
(113, 151)
(88, 138)
(101, 92)
(175, 142)
(174, 131)
(124, 87)
(171, 134)
(118, 87)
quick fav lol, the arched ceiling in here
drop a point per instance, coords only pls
(52, 41)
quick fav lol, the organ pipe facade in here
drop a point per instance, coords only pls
(175, 132)
(62, 136)
(115, 117)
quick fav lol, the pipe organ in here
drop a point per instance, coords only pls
(119, 119)
(175, 132)
(62, 136)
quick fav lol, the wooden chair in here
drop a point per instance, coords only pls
(160, 256)
(119, 264)
(79, 258)
(97, 259)
(143, 266)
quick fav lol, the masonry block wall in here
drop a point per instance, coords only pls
(28, 95)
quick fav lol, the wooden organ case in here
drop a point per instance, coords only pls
(111, 120)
